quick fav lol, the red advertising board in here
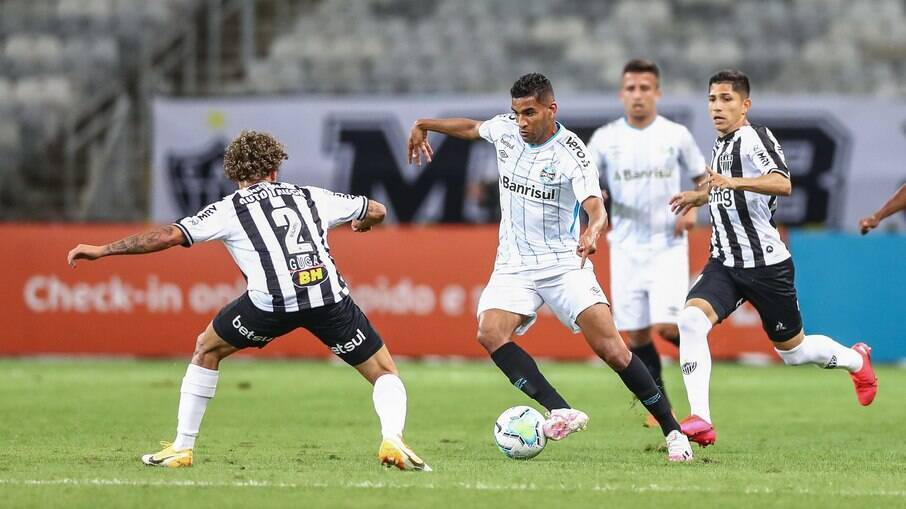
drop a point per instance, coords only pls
(418, 285)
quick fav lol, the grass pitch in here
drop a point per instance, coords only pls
(304, 434)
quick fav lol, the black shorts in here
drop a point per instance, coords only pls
(342, 326)
(770, 289)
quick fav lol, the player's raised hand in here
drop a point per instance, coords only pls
(83, 252)
(719, 181)
(868, 224)
(418, 145)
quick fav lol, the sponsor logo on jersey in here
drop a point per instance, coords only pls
(576, 147)
(508, 141)
(530, 190)
(350, 345)
(266, 192)
(628, 174)
(250, 334)
(721, 197)
(309, 277)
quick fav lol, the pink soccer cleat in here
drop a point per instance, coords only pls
(865, 380)
(563, 421)
(698, 430)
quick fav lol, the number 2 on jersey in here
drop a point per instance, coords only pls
(294, 242)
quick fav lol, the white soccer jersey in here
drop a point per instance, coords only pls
(541, 188)
(744, 234)
(277, 234)
(642, 169)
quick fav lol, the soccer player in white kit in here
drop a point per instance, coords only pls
(276, 233)
(749, 261)
(545, 176)
(642, 157)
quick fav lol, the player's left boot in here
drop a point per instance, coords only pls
(865, 380)
(678, 447)
(396, 453)
(169, 457)
(563, 421)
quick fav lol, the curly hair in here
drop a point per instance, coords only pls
(533, 85)
(252, 156)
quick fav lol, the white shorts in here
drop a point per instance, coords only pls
(648, 286)
(567, 293)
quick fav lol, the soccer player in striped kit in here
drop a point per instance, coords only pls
(643, 158)
(545, 176)
(749, 261)
(277, 234)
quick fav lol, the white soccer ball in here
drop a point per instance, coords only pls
(518, 432)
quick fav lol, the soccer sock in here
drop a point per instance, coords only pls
(652, 361)
(389, 398)
(198, 387)
(824, 352)
(695, 359)
(524, 374)
(639, 381)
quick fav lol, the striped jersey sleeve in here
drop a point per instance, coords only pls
(338, 208)
(765, 152)
(210, 223)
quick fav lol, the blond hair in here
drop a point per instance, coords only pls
(252, 156)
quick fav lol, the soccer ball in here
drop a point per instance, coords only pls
(518, 432)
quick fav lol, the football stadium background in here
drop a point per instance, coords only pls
(115, 113)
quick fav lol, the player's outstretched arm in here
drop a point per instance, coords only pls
(375, 215)
(463, 128)
(772, 184)
(597, 221)
(896, 203)
(149, 241)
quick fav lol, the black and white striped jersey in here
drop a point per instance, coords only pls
(744, 233)
(277, 234)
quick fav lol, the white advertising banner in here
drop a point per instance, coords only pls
(846, 155)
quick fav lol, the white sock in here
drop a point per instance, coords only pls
(390, 404)
(198, 387)
(695, 359)
(824, 352)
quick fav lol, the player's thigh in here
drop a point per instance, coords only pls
(628, 291)
(717, 287)
(243, 325)
(772, 292)
(513, 294)
(345, 330)
(669, 285)
(570, 293)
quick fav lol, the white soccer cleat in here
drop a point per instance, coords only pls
(396, 453)
(678, 447)
(563, 421)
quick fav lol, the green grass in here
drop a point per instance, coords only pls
(304, 434)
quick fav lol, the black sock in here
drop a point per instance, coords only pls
(652, 361)
(639, 381)
(523, 373)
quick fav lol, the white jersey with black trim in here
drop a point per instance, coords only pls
(277, 234)
(744, 233)
(642, 169)
(541, 189)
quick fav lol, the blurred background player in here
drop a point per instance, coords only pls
(896, 203)
(545, 174)
(749, 261)
(277, 234)
(642, 157)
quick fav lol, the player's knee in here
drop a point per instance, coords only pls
(614, 352)
(693, 322)
(639, 338)
(491, 340)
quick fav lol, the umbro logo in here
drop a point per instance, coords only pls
(689, 367)
(503, 154)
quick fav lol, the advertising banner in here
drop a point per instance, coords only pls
(418, 285)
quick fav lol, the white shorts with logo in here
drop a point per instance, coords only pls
(567, 290)
(648, 286)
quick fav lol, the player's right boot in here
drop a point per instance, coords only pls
(678, 448)
(396, 453)
(169, 457)
(698, 430)
(563, 421)
(865, 380)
